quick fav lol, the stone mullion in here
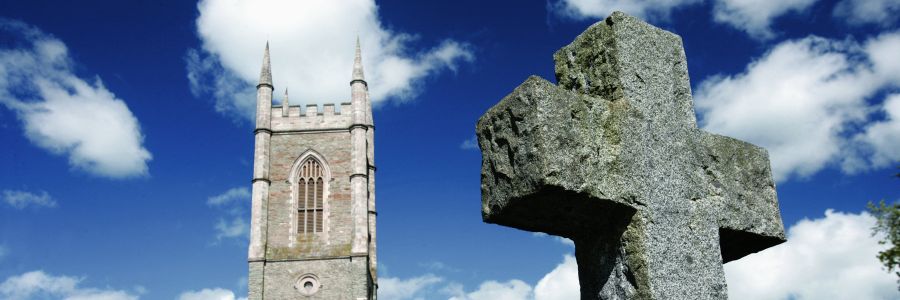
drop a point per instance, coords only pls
(301, 198)
(317, 210)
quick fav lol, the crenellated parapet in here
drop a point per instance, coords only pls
(310, 117)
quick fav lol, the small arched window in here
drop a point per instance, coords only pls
(310, 206)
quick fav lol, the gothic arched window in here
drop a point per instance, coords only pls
(310, 202)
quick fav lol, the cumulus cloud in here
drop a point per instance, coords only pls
(233, 205)
(430, 286)
(208, 294)
(587, 9)
(858, 12)
(23, 199)
(880, 142)
(751, 16)
(755, 17)
(312, 44)
(40, 285)
(493, 290)
(833, 257)
(63, 113)
(827, 258)
(394, 288)
(561, 283)
(882, 50)
(802, 100)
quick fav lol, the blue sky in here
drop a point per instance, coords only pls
(126, 141)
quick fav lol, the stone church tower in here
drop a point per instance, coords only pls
(312, 230)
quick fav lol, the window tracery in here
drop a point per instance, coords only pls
(310, 197)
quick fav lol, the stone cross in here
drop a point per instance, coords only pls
(612, 158)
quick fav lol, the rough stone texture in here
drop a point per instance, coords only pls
(255, 280)
(612, 158)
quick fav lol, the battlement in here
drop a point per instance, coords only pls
(309, 117)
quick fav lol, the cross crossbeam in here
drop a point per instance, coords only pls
(612, 158)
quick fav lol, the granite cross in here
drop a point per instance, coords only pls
(612, 158)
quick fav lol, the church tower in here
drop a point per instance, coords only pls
(312, 229)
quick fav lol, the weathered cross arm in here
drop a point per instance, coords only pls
(612, 158)
(536, 152)
(740, 179)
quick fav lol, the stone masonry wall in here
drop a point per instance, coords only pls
(325, 255)
(335, 239)
(339, 278)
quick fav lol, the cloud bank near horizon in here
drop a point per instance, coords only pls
(832, 257)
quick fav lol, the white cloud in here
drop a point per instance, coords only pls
(563, 240)
(882, 51)
(493, 290)
(392, 288)
(229, 196)
(880, 141)
(833, 257)
(586, 9)
(469, 144)
(23, 199)
(312, 44)
(208, 294)
(801, 99)
(859, 12)
(561, 283)
(828, 258)
(233, 222)
(429, 287)
(39, 285)
(234, 227)
(439, 266)
(755, 17)
(751, 16)
(63, 113)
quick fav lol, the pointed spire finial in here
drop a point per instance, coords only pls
(285, 104)
(265, 75)
(357, 64)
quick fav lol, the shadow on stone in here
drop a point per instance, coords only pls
(595, 225)
(736, 244)
(557, 211)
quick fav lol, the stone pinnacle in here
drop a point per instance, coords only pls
(357, 64)
(265, 75)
